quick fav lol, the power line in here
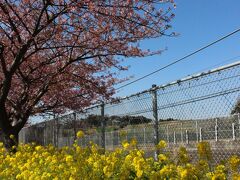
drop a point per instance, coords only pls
(217, 65)
(181, 59)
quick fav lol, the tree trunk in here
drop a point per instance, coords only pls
(9, 131)
(8, 135)
(10, 140)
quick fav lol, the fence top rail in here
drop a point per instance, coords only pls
(194, 76)
(190, 77)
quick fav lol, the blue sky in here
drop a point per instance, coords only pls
(199, 23)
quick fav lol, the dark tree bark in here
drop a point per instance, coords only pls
(8, 133)
(10, 140)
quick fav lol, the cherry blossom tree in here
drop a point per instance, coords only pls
(58, 55)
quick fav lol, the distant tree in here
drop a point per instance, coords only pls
(57, 55)
(94, 120)
(236, 108)
(133, 120)
(121, 121)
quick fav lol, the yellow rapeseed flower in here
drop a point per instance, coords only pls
(162, 144)
(162, 158)
(38, 148)
(11, 136)
(80, 134)
(125, 144)
(234, 163)
(123, 133)
(69, 158)
(74, 162)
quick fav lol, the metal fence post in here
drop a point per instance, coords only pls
(182, 132)
(144, 136)
(118, 137)
(75, 126)
(112, 141)
(216, 130)
(99, 139)
(167, 134)
(44, 134)
(197, 131)
(200, 134)
(174, 137)
(187, 140)
(238, 116)
(155, 117)
(103, 124)
(56, 132)
(233, 132)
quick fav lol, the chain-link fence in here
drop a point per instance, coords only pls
(203, 107)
